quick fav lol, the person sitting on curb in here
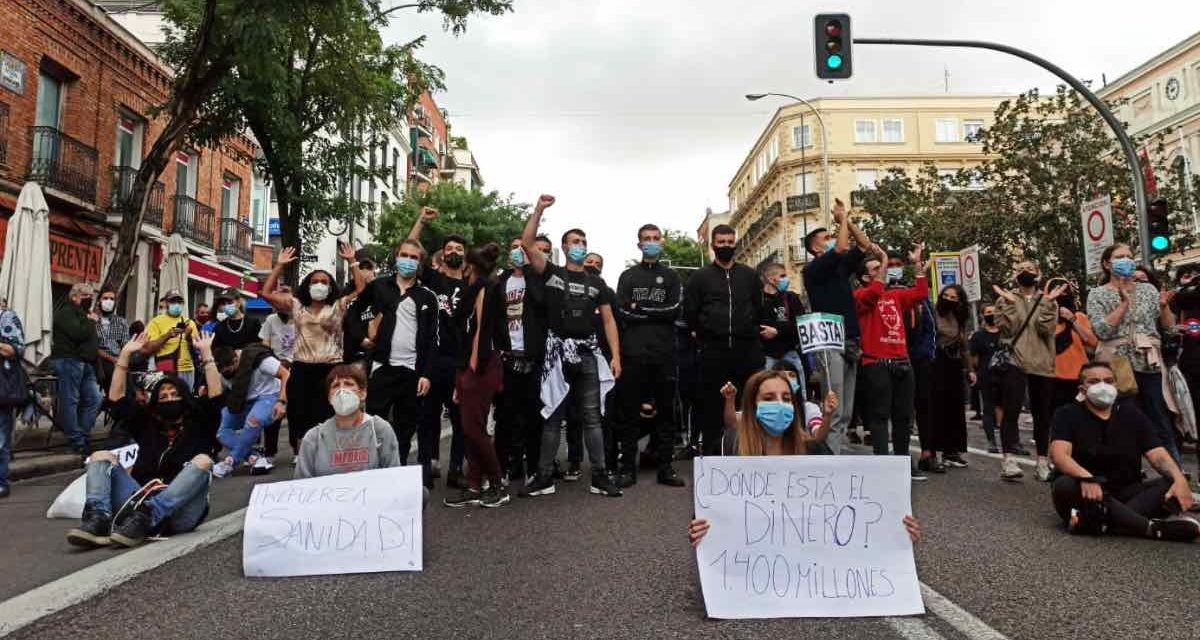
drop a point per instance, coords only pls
(1098, 443)
(257, 397)
(166, 490)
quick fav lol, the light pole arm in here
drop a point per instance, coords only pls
(1139, 188)
(824, 148)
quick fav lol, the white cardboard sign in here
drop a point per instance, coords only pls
(806, 536)
(821, 332)
(363, 522)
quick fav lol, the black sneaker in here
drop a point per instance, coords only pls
(854, 438)
(626, 479)
(558, 472)
(1175, 529)
(541, 486)
(954, 460)
(573, 473)
(494, 497)
(604, 486)
(456, 480)
(465, 498)
(918, 475)
(993, 447)
(669, 477)
(132, 530)
(93, 529)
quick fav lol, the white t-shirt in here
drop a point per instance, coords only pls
(514, 302)
(404, 336)
(280, 336)
(264, 382)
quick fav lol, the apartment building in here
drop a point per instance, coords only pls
(777, 194)
(76, 91)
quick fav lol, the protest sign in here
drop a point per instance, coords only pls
(363, 522)
(820, 332)
(806, 536)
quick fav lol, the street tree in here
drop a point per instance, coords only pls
(478, 216)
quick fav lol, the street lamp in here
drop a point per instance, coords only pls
(824, 140)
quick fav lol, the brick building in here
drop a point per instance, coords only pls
(75, 91)
(430, 142)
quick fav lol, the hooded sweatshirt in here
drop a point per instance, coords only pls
(327, 450)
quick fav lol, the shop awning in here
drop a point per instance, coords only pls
(215, 275)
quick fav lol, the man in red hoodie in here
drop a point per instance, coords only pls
(886, 371)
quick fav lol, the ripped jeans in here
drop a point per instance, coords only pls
(240, 431)
(179, 508)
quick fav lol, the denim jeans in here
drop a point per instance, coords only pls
(240, 431)
(6, 430)
(841, 376)
(78, 398)
(179, 508)
(584, 379)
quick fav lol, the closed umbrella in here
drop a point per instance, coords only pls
(175, 268)
(25, 271)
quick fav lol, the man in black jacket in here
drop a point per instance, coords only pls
(723, 307)
(73, 354)
(354, 325)
(648, 299)
(781, 307)
(405, 348)
(167, 488)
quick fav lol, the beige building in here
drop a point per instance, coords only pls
(1161, 98)
(776, 197)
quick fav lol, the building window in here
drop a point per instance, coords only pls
(773, 149)
(129, 141)
(866, 179)
(185, 174)
(946, 130)
(259, 199)
(802, 136)
(893, 131)
(804, 183)
(864, 131)
(972, 129)
(231, 191)
(49, 101)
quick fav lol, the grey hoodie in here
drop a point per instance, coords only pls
(327, 450)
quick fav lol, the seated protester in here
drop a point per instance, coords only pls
(351, 440)
(1098, 443)
(768, 426)
(816, 417)
(257, 397)
(166, 490)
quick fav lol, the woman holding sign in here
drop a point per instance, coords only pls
(770, 426)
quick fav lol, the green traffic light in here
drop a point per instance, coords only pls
(834, 61)
(1160, 243)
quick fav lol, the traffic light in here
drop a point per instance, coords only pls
(1160, 228)
(832, 40)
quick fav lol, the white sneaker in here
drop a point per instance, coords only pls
(223, 468)
(262, 466)
(1009, 470)
(1043, 470)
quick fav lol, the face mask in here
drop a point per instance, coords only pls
(549, 256)
(407, 267)
(1124, 267)
(108, 305)
(517, 257)
(651, 249)
(989, 319)
(220, 316)
(85, 303)
(318, 291)
(170, 410)
(946, 306)
(592, 270)
(175, 310)
(453, 260)
(1067, 302)
(577, 253)
(1026, 279)
(775, 417)
(895, 274)
(830, 244)
(781, 284)
(1102, 395)
(724, 254)
(795, 384)
(345, 402)
(230, 310)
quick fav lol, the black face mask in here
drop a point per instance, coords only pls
(724, 254)
(989, 319)
(1026, 279)
(453, 260)
(85, 304)
(170, 410)
(945, 307)
(1067, 302)
(592, 270)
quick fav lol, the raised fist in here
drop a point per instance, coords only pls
(545, 200)
(428, 214)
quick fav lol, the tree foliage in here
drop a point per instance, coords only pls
(478, 216)
(681, 249)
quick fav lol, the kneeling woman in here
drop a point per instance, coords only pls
(167, 488)
(770, 426)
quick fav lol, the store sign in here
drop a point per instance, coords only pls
(71, 260)
(12, 73)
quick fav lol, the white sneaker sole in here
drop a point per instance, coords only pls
(503, 501)
(602, 492)
(543, 492)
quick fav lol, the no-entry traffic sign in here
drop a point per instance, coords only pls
(1096, 218)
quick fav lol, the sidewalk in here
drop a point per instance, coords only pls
(42, 451)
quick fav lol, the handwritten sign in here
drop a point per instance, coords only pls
(806, 536)
(821, 332)
(363, 522)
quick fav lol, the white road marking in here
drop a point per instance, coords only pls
(957, 617)
(913, 629)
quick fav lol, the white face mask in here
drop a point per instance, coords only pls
(221, 316)
(318, 291)
(1102, 395)
(345, 402)
(108, 305)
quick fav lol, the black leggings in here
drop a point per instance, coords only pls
(308, 399)
(949, 412)
(1041, 404)
(1125, 512)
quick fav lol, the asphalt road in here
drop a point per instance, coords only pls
(580, 566)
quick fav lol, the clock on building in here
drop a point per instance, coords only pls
(1172, 88)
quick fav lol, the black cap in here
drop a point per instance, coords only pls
(231, 294)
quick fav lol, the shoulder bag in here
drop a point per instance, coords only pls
(1122, 368)
(1002, 358)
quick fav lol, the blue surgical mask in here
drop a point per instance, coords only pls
(895, 274)
(174, 309)
(577, 253)
(830, 244)
(517, 257)
(775, 417)
(795, 384)
(407, 267)
(781, 284)
(230, 310)
(1124, 267)
(651, 249)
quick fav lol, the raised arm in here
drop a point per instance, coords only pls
(116, 388)
(270, 291)
(425, 217)
(537, 261)
(346, 251)
(212, 376)
(844, 224)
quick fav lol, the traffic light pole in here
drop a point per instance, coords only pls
(1131, 159)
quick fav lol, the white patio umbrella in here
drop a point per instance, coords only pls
(25, 271)
(174, 273)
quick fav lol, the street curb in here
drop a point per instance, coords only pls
(39, 466)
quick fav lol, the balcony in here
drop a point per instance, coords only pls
(423, 123)
(806, 202)
(797, 253)
(858, 197)
(58, 161)
(192, 220)
(3, 133)
(120, 199)
(236, 239)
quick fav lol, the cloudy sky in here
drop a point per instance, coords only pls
(632, 110)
